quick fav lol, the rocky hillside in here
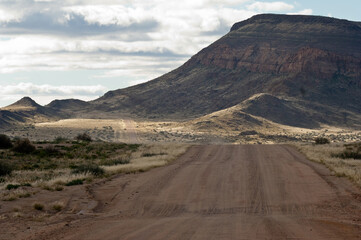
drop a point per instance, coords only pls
(316, 59)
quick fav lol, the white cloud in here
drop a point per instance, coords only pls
(270, 6)
(7, 16)
(31, 89)
(110, 14)
(302, 12)
(43, 94)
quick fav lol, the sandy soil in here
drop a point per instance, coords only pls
(214, 132)
(211, 192)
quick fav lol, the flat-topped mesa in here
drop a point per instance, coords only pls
(278, 44)
(345, 25)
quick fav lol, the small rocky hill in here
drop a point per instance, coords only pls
(68, 105)
(24, 104)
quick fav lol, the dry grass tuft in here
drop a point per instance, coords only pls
(325, 154)
(58, 206)
(38, 206)
(148, 157)
(15, 194)
(44, 178)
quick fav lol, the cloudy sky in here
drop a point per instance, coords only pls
(53, 49)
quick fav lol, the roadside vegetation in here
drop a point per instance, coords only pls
(26, 166)
(344, 160)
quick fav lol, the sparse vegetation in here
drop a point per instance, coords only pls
(322, 140)
(5, 169)
(5, 142)
(148, 157)
(12, 186)
(351, 151)
(38, 206)
(115, 161)
(24, 146)
(60, 139)
(83, 137)
(152, 154)
(92, 169)
(59, 188)
(332, 156)
(58, 207)
(15, 193)
(53, 166)
(75, 182)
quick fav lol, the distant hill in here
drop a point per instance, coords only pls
(26, 110)
(68, 104)
(26, 104)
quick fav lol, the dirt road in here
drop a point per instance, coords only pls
(127, 132)
(224, 192)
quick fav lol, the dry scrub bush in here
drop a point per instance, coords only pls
(46, 179)
(38, 206)
(5, 142)
(15, 194)
(58, 206)
(5, 169)
(322, 140)
(83, 137)
(24, 146)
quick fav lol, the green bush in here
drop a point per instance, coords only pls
(38, 206)
(59, 188)
(112, 162)
(83, 137)
(355, 154)
(5, 169)
(24, 146)
(322, 140)
(60, 140)
(5, 142)
(75, 182)
(48, 151)
(57, 207)
(152, 154)
(93, 169)
(12, 186)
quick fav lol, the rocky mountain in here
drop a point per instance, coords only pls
(316, 59)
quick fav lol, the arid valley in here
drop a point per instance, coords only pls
(257, 136)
